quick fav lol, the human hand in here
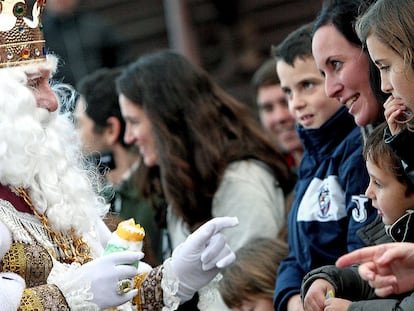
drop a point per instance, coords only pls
(316, 295)
(11, 291)
(389, 268)
(198, 260)
(336, 304)
(396, 114)
(105, 272)
(294, 303)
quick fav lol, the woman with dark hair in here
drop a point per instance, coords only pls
(214, 158)
(350, 75)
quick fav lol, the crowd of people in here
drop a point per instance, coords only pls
(304, 203)
(329, 207)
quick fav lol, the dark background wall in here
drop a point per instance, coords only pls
(229, 48)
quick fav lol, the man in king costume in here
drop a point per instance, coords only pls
(51, 231)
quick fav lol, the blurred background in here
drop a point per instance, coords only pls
(228, 38)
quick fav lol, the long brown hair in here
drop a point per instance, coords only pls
(199, 130)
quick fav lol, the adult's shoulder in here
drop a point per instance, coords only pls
(248, 167)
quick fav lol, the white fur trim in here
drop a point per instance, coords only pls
(74, 287)
(169, 285)
(11, 291)
(5, 239)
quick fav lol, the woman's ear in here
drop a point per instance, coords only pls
(112, 131)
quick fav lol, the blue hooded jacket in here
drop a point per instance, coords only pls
(329, 206)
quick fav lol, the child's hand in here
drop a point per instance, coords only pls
(294, 303)
(316, 295)
(336, 304)
(396, 113)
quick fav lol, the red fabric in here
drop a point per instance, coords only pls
(290, 160)
(18, 203)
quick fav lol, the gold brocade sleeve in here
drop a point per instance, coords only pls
(42, 298)
(150, 296)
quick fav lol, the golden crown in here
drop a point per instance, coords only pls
(21, 38)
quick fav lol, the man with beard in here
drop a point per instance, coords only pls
(51, 231)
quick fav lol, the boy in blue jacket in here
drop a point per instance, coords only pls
(329, 206)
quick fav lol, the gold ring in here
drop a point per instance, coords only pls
(124, 286)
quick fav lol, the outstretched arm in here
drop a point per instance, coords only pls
(389, 268)
(192, 265)
(198, 260)
(96, 284)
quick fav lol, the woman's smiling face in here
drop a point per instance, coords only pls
(346, 70)
(138, 130)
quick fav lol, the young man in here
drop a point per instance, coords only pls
(52, 235)
(329, 206)
(274, 114)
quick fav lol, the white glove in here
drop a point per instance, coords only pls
(104, 273)
(94, 286)
(143, 267)
(198, 260)
(11, 291)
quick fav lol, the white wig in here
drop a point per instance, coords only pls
(40, 151)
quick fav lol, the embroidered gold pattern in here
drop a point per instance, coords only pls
(14, 260)
(31, 262)
(42, 298)
(138, 279)
(39, 264)
(150, 296)
(30, 301)
(76, 250)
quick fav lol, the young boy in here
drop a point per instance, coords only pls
(329, 206)
(392, 194)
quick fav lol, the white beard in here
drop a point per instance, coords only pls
(40, 151)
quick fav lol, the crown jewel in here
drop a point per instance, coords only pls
(21, 39)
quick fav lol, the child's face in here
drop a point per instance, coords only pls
(256, 304)
(305, 89)
(397, 78)
(387, 194)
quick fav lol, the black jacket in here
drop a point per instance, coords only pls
(349, 285)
